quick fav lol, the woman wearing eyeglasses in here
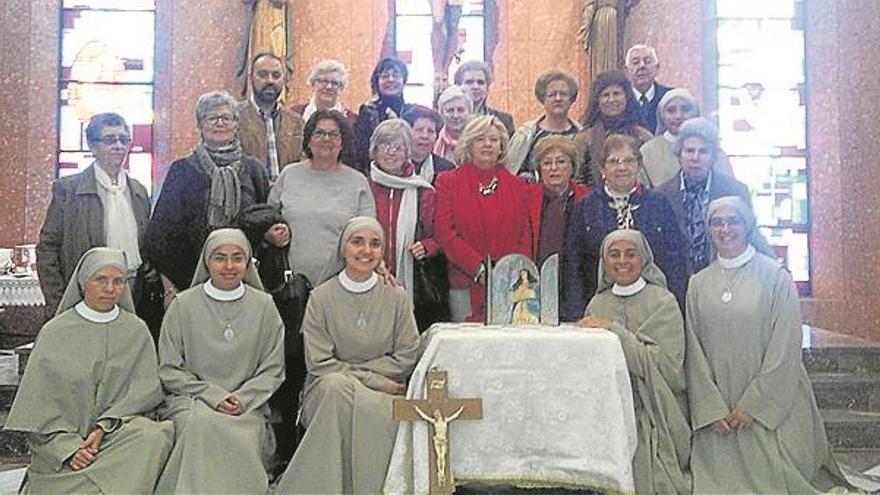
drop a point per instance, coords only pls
(620, 202)
(756, 425)
(101, 206)
(328, 80)
(319, 195)
(203, 192)
(387, 83)
(405, 209)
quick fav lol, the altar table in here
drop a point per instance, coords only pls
(557, 409)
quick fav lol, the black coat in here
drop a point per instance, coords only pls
(179, 225)
(593, 220)
(649, 111)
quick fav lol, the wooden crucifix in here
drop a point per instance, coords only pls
(438, 410)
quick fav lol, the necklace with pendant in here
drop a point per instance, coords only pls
(727, 295)
(489, 188)
(361, 320)
(226, 319)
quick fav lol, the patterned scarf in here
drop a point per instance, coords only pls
(445, 145)
(696, 201)
(222, 164)
(624, 206)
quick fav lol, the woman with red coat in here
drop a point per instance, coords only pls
(481, 212)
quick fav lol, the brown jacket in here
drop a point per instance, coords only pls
(288, 134)
(74, 224)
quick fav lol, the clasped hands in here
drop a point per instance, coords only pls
(87, 453)
(231, 406)
(737, 419)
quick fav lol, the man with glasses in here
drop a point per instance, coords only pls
(100, 206)
(267, 131)
(557, 90)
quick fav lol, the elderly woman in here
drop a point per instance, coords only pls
(328, 80)
(661, 163)
(756, 425)
(405, 209)
(557, 91)
(481, 213)
(456, 108)
(221, 356)
(632, 302)
(352, 379)
(426, 124)
(203, 192)
(100, 206)
(387, 83)
(320, 195)
(619, 203)
(613, 109)
(552, 202)
(691, 189)
(89, 389)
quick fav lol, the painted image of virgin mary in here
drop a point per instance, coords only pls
(525, 300)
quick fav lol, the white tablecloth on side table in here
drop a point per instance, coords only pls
(557, 409)
(20, 291)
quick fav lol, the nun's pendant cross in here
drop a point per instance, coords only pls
(438, 410)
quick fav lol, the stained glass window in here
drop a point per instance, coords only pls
(762, 118)
(107, 65)
(413, 22)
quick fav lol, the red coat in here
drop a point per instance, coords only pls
(470, 225)
(536, 203)
(387, 210)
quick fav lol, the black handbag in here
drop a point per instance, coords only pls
(148, 295)
(430, 291)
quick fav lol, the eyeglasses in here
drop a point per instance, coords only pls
(391, 148)
(234, 258)
(106, 282)
(719, 222)
(322, 134)
(390, 74)
(329, 82)
(556, 163)
(220, 119)
(111, 139)
(621, 162)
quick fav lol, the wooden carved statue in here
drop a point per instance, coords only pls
(602, 31)
(268, 29)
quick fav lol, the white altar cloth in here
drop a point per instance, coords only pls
(21, 291)
(557, 409)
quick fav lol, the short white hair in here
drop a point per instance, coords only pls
(453, 93)
(326, 67)
(641, 46)
(389, 131)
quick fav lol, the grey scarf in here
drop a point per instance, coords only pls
(222, 165)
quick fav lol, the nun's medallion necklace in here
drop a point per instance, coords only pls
(727, 295)
(226, 319)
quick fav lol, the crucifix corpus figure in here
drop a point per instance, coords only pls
(443, 410)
